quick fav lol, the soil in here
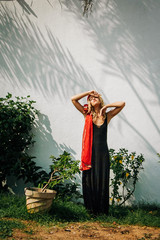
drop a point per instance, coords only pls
(87, 230)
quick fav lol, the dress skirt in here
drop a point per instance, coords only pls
(95, 181)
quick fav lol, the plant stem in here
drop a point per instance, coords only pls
(51, 178)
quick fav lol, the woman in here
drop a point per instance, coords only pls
(95, 155)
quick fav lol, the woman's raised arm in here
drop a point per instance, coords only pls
(75, 99)
(118, 107)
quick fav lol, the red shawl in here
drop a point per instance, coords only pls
(86, 155)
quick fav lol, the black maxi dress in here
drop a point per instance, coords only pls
(95, 181)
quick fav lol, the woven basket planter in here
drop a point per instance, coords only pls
(38, 201)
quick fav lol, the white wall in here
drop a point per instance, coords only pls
(52, 53)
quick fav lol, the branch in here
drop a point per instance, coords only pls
(125, 199)
(51, 179)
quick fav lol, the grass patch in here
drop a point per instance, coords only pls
(13, 206)
(143, 215)
(7, 226)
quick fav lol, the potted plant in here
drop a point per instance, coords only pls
(40, 198)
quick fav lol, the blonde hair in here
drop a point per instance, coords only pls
(91, 108)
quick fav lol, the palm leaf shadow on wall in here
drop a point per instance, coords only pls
(28, 59)
(25, 6)
(86, 5)
(122, 43)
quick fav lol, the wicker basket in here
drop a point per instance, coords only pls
(37, 201)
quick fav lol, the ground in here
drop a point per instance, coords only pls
(87, 230)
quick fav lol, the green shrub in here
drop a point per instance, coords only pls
(68, 191)
(62, 168)
(17, 118)
(125, 167)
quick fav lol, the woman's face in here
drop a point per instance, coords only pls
(94, 100)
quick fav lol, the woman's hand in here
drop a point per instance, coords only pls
(103, 110)
(75, 99)
(94, 93)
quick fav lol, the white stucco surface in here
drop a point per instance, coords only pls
(53, 52)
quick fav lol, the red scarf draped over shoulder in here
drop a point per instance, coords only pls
(87, 138)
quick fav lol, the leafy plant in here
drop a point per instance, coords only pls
(7, 226)
(87, 6)
(125, 167)
(68, 191)
(17, 118)
(63, 167)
